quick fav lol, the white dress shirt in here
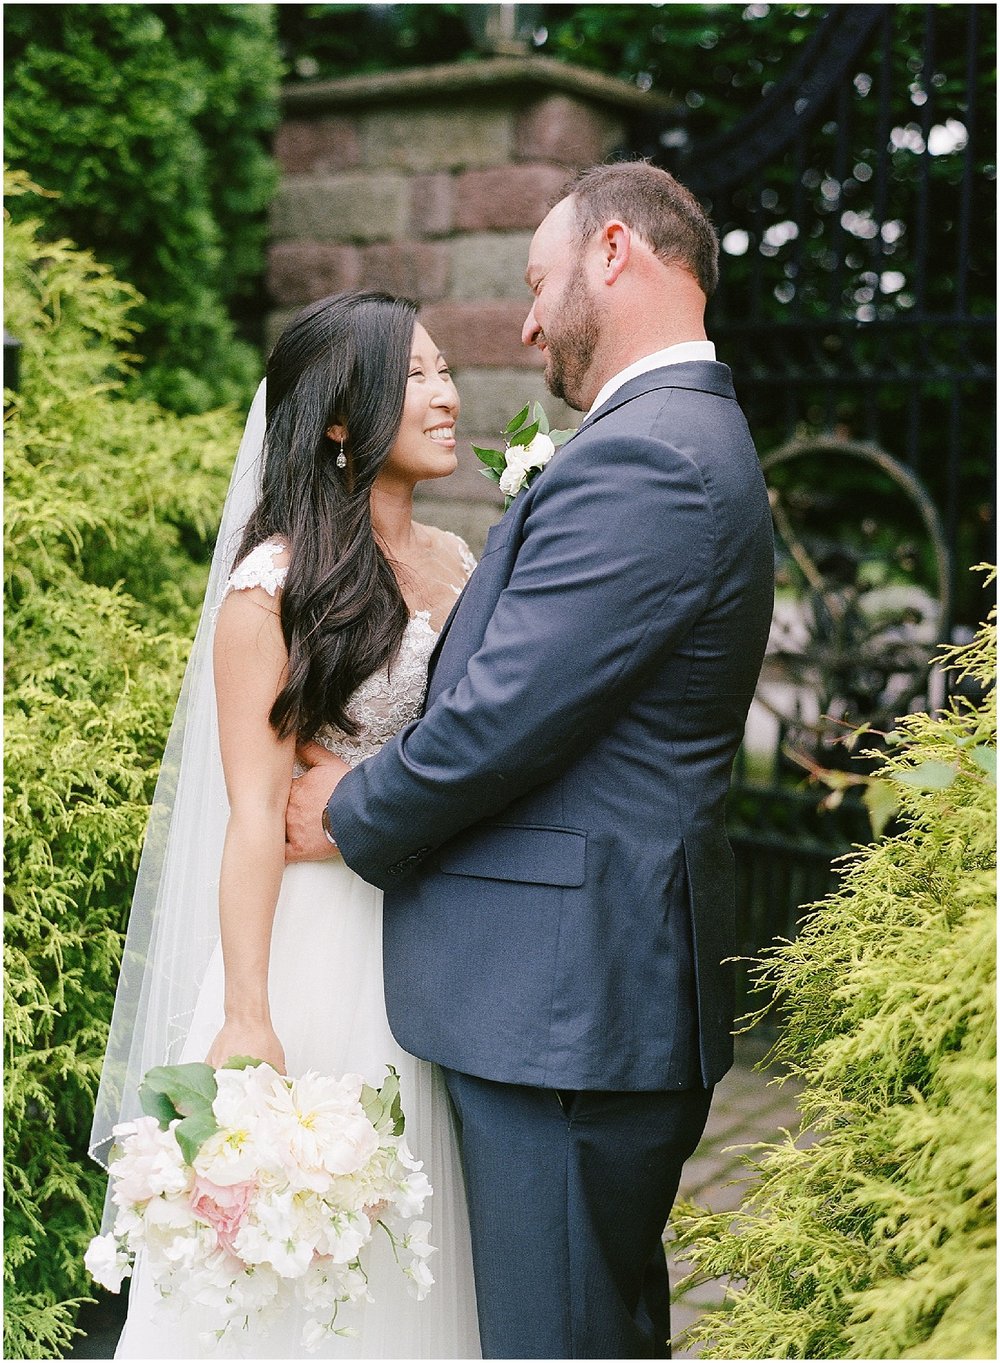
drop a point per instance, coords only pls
(674, 354)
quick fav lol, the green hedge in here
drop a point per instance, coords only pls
(879, 1239)
(110, 508)
(151, 123)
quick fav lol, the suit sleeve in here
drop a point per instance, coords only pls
(614, 566)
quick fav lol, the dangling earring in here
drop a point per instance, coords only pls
(341, 457)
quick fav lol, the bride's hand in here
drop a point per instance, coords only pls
(256, 1039)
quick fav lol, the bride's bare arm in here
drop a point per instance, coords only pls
(250, 661)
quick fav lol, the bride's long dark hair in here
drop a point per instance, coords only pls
(342, 361)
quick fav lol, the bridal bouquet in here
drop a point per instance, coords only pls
(249, 1191)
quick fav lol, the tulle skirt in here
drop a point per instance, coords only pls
(328, 1009)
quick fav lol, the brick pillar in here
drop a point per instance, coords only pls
(430, 183)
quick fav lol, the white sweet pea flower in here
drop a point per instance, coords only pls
(106, 1262)
(421, 1279)
(313, 1335)
(416, 1240)
(345, 1236)
(412, 1193)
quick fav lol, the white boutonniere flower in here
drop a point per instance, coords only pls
(529, 444)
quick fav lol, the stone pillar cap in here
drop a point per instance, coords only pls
(513, 74)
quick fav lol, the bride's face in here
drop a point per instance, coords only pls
(425, 442)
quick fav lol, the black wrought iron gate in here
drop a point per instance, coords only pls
(856, 210)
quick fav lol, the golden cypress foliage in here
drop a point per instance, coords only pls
(878, 1239)
(110, 508)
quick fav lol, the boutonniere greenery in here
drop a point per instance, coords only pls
(529, 444)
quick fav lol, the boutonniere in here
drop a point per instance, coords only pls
(528, 447)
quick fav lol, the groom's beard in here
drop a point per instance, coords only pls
(572, 345)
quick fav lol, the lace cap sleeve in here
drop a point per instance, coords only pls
(465, 553)
(259, 569)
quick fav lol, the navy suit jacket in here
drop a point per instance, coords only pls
(550, 835)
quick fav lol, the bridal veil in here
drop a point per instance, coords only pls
(174, 924)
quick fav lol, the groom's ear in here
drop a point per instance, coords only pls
(616, 249)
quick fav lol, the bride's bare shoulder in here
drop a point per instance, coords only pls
(451, 546)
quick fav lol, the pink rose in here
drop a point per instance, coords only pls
(222, 1207)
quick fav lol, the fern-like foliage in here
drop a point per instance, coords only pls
(878, 1239)
(110, 509)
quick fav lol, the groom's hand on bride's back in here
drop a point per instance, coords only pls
(305, 839)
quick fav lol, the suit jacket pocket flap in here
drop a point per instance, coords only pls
(525, 853)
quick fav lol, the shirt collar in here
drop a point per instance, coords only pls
(673, 354)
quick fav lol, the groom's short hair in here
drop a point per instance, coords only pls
(656, 206)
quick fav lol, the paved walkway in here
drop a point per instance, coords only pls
(747, 1108)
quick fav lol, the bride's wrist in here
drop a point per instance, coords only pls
(245, 1014)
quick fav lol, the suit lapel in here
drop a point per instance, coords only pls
(707, 376)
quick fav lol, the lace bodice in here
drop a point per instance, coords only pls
(387, 700)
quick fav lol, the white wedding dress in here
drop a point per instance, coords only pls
(328, 1010)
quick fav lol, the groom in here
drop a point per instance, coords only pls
(550, 835)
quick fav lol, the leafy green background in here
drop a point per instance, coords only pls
(151, 124)
(111, 507)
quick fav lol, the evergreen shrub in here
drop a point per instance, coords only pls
(151, 122)
(878, 1239)
(110, 508)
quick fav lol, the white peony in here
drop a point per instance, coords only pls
(228, 1157)
(238, 1152)
(319, 1125)
(106, 1262)
(242, 1095)
(150, 1163)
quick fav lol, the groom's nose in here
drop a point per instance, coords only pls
(531, 330)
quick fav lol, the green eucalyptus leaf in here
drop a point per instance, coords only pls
(194, 1131)
(538, 412)
(516, 421)
(526, 436)
(157, 1105)
(190, 1088)
(371, 1101)
(241, 1062)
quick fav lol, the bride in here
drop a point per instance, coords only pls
(319, 627)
